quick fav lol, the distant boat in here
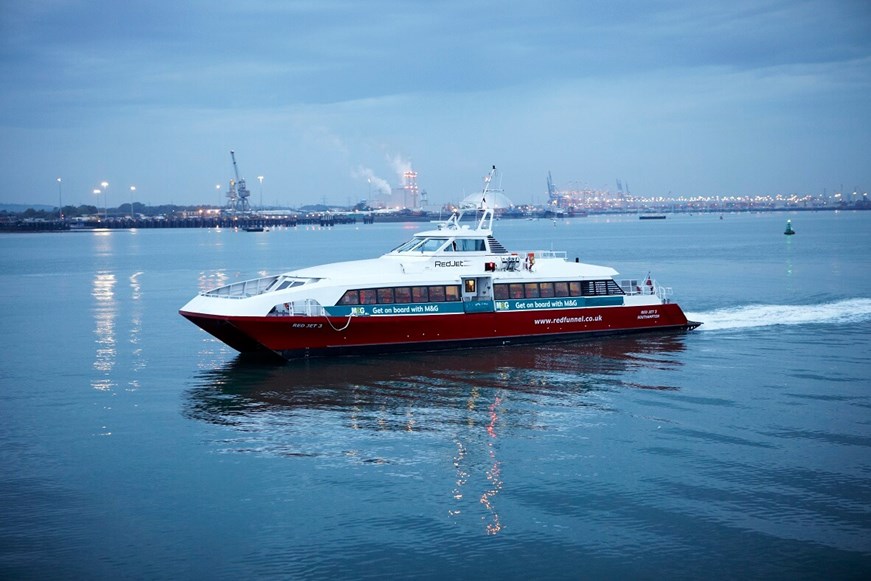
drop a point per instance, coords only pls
(651, 217)
(789, 231)
(254, 229)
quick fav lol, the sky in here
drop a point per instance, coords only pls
(331, 100)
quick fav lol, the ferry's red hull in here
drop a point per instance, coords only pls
(292, 336)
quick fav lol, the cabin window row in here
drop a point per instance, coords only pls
(402, 294)
(546, 290)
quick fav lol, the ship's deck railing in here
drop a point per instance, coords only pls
(640, 287)
(551, 254)
(514, 260)
(664, 292)
(244, 289)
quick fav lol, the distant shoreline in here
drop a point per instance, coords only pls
(254, 220)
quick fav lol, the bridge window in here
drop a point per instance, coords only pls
(431, 245)
(406, 246)
(468, 245)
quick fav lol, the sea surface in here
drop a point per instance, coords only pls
(133, 445)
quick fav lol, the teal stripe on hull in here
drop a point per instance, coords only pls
(475, 306)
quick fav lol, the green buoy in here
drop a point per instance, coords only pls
(789, 231)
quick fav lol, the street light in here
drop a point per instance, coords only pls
(220, 201)
(261, 192)
(60, 203)
(105, 200)
(132, 191)
(97, 192)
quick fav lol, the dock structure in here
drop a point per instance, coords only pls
(148, 222)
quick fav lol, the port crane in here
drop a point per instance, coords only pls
(238, 193)
(552, 194)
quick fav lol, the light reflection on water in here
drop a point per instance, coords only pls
(105, 312)
(136, 315)
(210, 280)
(108, 325)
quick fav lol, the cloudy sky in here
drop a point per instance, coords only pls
(329, 98)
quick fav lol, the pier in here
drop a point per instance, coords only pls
(149, 222)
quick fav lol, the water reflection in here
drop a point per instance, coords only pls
(136, 314)
(105, 312)
(231, 392)
(209, 280)
(493, 473)
(450, 408)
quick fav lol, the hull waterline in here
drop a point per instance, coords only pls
(297, 337)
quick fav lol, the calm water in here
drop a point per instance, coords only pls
(133, 445)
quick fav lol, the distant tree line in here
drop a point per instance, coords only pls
(91, 210)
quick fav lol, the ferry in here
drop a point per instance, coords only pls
(453, 286)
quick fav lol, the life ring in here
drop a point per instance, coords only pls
(530, 261)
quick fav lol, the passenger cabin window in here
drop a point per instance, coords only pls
(351, 297)
(404, 294)
(385, 295)
(535, 290)
(437, 294)
(419, 294)
(368, 296)
(451, 292)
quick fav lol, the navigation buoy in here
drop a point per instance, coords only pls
(789, 231)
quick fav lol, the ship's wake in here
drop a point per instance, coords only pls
(838, 312)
